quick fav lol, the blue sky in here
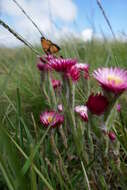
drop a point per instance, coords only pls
(77, 16)
(88, 13)
(116, 11)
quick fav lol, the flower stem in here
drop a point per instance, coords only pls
(73, 96)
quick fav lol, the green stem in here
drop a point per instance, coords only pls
(109, 114)
(89, 135)
(66, 89)
(73, 96)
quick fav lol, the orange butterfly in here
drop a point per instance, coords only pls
(48, 46)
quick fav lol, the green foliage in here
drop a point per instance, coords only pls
(28, 159)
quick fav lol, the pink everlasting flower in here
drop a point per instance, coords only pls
(118, 107)
(86, 75)
(82, 111)
(82, 66)
(97, 104)
(77, 68)
(56, 83)
(51, 118)
(43, 67)
(85, 68)
(112, 135)
(60, 107)
(112, 79)
(74, 73)
(43, 63)
(46, 58)
(62, 65)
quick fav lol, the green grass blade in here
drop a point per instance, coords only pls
(26, 157)
(85, 177)
(6, 175)
(18, 116)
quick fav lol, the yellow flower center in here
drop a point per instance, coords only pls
(114, 79)
(50, 119)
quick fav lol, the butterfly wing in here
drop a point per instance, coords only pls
(54, 48)
(46, 45)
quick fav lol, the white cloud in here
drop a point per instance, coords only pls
(64, 9)
(7, 39)
(42, 12)
(121, 36)
(87, 34)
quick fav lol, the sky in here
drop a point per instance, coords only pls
(61, 18)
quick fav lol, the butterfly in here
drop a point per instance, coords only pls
(48, 46)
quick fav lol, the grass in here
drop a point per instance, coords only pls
(75, 158)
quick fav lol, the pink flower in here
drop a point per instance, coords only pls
(43, 63)
(86, 75)
(46, 58)
(56, 83)
(97, 104)
(60, 107)
(85, 68)
(62, 65)
(118, 107)
(74, 73)
(77, 68)
(51, 118)
(82, 67)
(43, 67)
(112, 135)
(82, 111)
(112, 79)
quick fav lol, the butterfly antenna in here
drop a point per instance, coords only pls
(19, 37)
(24, 12)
